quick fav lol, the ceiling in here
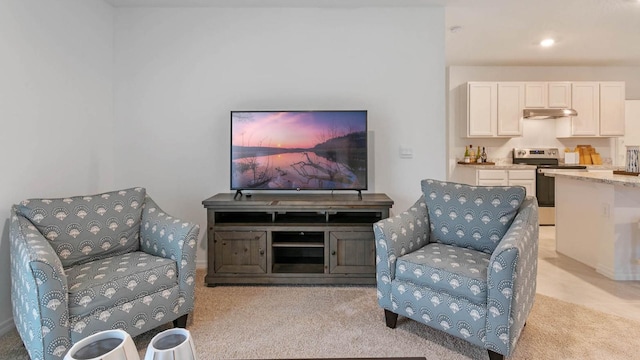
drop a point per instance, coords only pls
(502, 32)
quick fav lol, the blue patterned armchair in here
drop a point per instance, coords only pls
(84, 264)
(462, 259)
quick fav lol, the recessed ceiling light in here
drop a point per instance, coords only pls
(547, 42)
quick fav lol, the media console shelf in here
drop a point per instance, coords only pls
(292, 238)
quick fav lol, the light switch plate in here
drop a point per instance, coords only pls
(406, 152)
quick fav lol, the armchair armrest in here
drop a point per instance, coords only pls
(165, 236)
(394, 237)
(39, 290)
(511, 279)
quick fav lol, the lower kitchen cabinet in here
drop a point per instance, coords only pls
(492, 178)
(474, 175)
(526, 178)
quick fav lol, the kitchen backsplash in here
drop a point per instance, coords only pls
(537, 133)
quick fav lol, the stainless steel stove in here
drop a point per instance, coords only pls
(546, 161)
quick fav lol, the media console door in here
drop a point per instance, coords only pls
(293, 238)
(352, 252)
(242, 252)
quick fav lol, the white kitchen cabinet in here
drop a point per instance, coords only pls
(494, 109)
(545, 95)
(600, 107)
(526, 178)
(559, 95)
(612, 114)
(492, 177)
(510, 104)
(536, 95)
(585, 97)
(482, 109)
(469, 174)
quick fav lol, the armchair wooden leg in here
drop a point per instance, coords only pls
(495, 356)
(181, 322)
(391, 318)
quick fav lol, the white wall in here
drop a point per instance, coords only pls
(537, 133)
(56, 107)
(180, 71)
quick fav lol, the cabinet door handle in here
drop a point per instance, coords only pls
(333, 252)
(261, 251)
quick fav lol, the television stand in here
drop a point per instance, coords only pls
(293, 238)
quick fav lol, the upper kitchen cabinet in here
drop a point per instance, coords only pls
(600, 107)
(559, 95)
(510, 104)
(494, 109)
(544, 95)
(612, 98)
(482, 109)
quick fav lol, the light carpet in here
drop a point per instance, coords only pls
(260, 322)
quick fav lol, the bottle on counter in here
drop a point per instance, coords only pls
(472, 154)
(478, 156)
(467, 158)
(484, 155)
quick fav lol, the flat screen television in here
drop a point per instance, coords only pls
(299, 150)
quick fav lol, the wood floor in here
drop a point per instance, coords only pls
(569, 280)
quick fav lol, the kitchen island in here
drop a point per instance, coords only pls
(598, 221)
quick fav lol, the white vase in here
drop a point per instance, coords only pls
(633, 153)
(106, 345)
(172, 344)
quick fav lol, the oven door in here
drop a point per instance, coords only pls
(545, 188)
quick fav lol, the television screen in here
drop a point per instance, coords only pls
(299, 150)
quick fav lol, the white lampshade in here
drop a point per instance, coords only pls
(172, 344)
(105, 345)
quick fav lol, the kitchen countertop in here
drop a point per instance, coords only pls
(604, 178)
(604, 167)
(499, 167)
(504, 166)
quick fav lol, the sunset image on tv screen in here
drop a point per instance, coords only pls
(299, 150)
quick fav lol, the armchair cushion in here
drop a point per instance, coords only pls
(86, 228)
(456, 271)
(98, 285)
(475, 217)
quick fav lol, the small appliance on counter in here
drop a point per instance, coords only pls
(571, 157)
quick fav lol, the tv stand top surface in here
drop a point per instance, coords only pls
(307, 201)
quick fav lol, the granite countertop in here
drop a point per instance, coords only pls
(498, 166)
(599, 177)
(509, 166)
(604, 167)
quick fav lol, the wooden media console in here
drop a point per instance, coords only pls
(292, 238)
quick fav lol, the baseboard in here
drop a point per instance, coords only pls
(618, 276)
(201, 264)
(6, 326)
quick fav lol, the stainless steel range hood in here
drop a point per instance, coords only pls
(536, 114)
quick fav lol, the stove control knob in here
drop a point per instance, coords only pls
(553, 152)
(521, 153)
